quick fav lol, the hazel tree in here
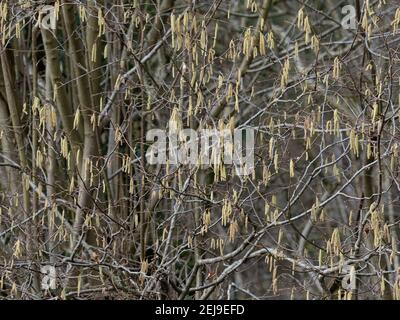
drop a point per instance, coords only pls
(312, 87)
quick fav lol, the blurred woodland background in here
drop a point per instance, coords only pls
(81, 84)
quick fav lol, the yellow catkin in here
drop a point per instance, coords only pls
(262, 44)
(336, 68)
(300, 18)
(291, 168)
(285, 74)
(396, 21)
